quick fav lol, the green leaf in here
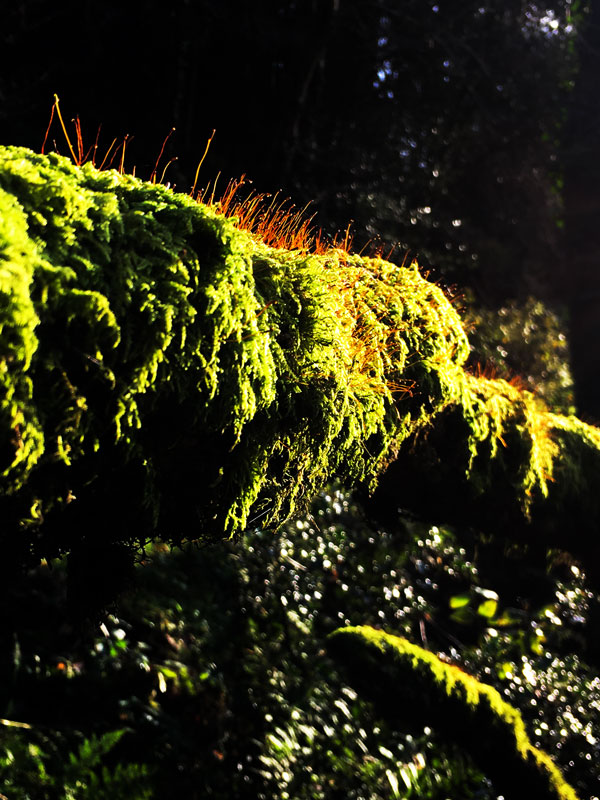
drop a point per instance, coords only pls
(460, 600)
(537, 645)
(393, 782)
(404, 774)
(488, 608)
(506, 668)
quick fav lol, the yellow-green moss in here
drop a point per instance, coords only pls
(165, 373)
(410, 685)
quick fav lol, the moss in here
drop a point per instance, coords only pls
(161, 339)
(20, 445)
(165, 373)
(501, 462)
(412, 686)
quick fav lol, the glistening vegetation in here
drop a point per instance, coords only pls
(165, 373)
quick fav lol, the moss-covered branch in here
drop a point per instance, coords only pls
(412, 687)
(164, 373)
(500, 462)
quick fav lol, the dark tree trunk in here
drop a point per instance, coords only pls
(582, 218)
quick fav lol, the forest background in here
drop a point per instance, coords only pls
(464, 137)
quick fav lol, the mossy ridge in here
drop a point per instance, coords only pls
(411, 686)
(158, 359)
(272, 371)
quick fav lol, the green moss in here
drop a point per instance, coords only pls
(162, 340)
(165, 373)
(412, 686)
(21, 445)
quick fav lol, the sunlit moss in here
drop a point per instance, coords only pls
(18, 320)
(410, 684)
(164, 372)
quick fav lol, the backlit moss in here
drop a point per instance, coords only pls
(165, 373)
(412, 686)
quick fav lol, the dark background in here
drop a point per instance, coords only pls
(463, 134)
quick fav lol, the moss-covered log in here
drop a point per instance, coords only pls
(164, 373)
(412, 687)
